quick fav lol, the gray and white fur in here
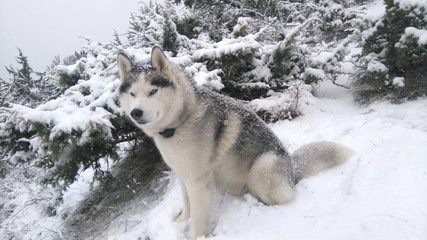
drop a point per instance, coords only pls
(213, 141)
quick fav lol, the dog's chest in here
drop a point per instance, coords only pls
(172, 151)
(184, 152)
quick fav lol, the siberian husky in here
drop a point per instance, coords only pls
(213, 141)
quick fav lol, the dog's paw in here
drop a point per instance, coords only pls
(182, 217)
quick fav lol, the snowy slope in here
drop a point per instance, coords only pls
(380, 193)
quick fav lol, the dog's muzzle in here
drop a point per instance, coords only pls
(137, 114)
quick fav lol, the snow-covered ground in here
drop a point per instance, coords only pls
(380, 193)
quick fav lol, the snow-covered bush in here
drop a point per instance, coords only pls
(25, 86)
(278, 37)
(75, 130)
(396, 48)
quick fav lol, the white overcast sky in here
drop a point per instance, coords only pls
(43, 29)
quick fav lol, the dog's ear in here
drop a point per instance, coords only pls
(159, 60)
(125, 65)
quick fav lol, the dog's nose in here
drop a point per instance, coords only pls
(136, 113)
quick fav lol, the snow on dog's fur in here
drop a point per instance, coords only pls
(212, 141)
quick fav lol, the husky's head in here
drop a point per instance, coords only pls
(151, 96)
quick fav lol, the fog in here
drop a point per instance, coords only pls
(43, 29)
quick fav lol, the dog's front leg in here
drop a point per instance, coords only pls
(185, 213)
(201, 197)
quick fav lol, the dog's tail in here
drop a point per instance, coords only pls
(312, 158)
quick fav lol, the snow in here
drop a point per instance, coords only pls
(242, 23)
(408, 4)
(380, 193)
(375, 11)
(399, 81)
(226, 46)
(376, 66)
(322, 58)
(420, 34)
(204, 77)
(318, 73)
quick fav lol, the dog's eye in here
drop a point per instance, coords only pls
(153, 92)
(132, 94)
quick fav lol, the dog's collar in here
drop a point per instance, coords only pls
(167, 133)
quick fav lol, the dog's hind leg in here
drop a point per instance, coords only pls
(185, 213)
(269, 184)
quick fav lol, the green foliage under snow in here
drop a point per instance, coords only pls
(394, 57)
